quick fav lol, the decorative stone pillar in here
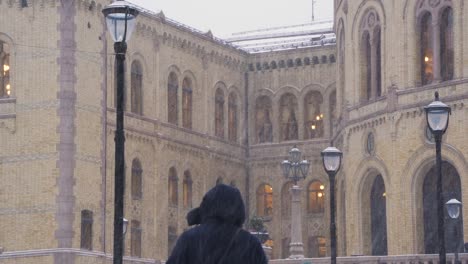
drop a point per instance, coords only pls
(296, 247)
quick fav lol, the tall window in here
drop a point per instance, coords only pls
(436, 51)
(315, 199)
(137, 185)
(314, 126)
(265, 200)
(371, 73)
(135, 239)
(219, 113)
(187, 103)
(263, 125)
(187, 189)
(137, 88)
(288, 120)
(232, 117)
(426, 49)
(173, 193)
(5, 86)
(86, 230)
(172, 89)
(446, 44)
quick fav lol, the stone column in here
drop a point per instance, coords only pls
(296, 247)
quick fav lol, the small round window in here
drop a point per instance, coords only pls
(370, 144)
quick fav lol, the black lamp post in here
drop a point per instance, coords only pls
(332, 162)
(453, 209)
(120, 19)
(437, 115)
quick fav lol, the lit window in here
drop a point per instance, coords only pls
(5, 85)
(315, 197)
(426, 49)
(314, 124)
(265, 200)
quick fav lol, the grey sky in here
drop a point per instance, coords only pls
(227, 17)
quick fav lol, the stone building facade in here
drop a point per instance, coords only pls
(202, 110)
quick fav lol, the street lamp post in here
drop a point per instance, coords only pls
(120, 19)
(437, 116)
(295, 169)
(331, 157)
(453, 209)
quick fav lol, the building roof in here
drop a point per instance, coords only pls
(315, 34)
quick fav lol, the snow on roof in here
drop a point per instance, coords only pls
(313, 34)
(317, 33)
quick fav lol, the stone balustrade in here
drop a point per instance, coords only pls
(403, 259)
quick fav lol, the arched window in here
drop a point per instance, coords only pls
(187, 189)
(436, 48)
(265, 200)
(5, 86)
(378, 210)
(263, 125)
(86, 230)
(137, 185)
(137, 88)
(315, 197)
(446, 44)
(135, 239)
(172, 90)
(173, 193)
(427, 74)
(219, 113)
(286, 200)
(451, 189)
(371, 74)
(187, 103)
(288, 120)
(232, 117)
(313, 116)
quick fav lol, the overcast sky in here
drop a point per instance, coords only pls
(227, 17)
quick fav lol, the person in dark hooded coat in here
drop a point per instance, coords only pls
(218, 237)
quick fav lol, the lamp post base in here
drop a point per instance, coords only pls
(296, 248)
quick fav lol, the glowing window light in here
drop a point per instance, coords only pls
(6, 67)
(322, 187)
(320, 195)
(426, 59)
(313, 127)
